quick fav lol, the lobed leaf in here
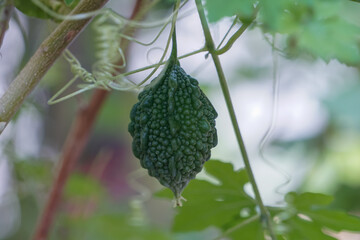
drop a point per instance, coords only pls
(307, 200)
(308, 215)
(317, 27)
(219, 9)
(213, 205)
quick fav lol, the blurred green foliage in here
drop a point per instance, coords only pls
(302, 216)
(318, 27)
(326, 29)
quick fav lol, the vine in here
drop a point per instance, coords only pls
(105, 75)
(113, 32)
(42, 60)
(265, 216)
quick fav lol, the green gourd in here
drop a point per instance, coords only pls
(173, 127)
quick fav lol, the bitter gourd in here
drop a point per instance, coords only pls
(173, 127)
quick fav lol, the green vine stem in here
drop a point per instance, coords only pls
(237, 34)
(233, 38)
(265, 216)
(171, 36)
(42, 60)
(164, 62)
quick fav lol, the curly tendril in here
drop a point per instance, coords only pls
(106, 74)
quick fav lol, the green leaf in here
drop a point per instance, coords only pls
(335, 220)
(110, 226)
(341, 107)
(29, 8)
(307, 200)
(32, 170)
(271, 13)
(308, 215)
(83, 186)
(305, 230)
(117, 226)
(69, 2)
(213, 205)
(217, 9)
(253, 231)
(330, 39)
(315, 27)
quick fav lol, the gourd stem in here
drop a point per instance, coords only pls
(265, 216)
(173, 56)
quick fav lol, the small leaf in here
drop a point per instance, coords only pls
(331, 38)
(308, 200)
(271, 13)
(335, 220)
(341, 107)
(315, 27)
(69, 2)
(253, 231)
(165, 193)
(217, 9)
(305, 230)
(224, 172)
(29, 8)
(307, 217)
(110, 226)
(31, 170)
(214, 205)
(83, 186)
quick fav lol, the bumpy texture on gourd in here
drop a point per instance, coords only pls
(173, 128)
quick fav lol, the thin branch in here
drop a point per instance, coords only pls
(236, 19)
(80, 133)
(237, 34)
(233, 38)
(265, 216)
(5, 14)
(42, 60)
(76, 140)
(203, 49)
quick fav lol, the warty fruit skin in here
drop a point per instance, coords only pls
(173, 128)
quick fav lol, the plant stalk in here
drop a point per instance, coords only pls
(265, 216)
(234, 37)
(49, 50)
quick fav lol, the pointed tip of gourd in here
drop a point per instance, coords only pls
(178, 201)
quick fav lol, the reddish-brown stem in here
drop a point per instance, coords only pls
(72, 149)
(75, 144)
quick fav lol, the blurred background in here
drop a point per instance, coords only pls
(313, 143)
